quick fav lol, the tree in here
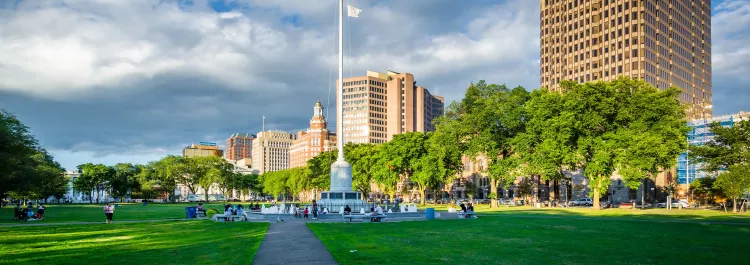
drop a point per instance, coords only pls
(400, 157)
(547, 145)
(652, 131)
(704, 188)
(441, 163)
(489, 118)
(120, 183)
(319, 170)
(87, 181)
(161, 174)
(734, 182)
(730, 151)
(363, 158)
(470, 188)
(17, 146)
(212, 170)
(594, 109)
(49, 176)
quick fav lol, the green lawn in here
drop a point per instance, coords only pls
(95, 212)
(634, 214)
(175, 242)
(502, 239)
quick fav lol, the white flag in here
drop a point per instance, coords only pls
(353, 11)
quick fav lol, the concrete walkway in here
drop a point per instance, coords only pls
(292, 243)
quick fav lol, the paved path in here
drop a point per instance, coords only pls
(292, 243)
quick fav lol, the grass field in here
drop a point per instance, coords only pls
(631, 214)
(95, 213)
(172, 242)
(502, 239)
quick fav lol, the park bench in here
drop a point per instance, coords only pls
(361, 217)
(466, 215)
(224, 218)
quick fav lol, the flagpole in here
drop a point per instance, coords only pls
(340, 92)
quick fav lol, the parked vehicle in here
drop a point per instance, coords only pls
(582, 202)
(675, 204)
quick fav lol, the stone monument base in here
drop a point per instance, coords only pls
(335, 201)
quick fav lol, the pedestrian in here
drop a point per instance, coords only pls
(315, 210)
(306, 211)
(109, 211)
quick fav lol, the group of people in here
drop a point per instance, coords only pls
(25, 214)
(234, 210)
(467, 208)
(305, 213)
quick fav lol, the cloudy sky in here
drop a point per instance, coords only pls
(110, 81)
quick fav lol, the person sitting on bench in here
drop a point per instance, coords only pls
(463, 208)
(471, 208)
(200, 209)
(347, 210)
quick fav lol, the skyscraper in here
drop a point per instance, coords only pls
(271, 151)
(311, 142)
(665, 42)
(239, 146)
(379, 105)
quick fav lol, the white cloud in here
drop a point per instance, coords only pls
(730, 38)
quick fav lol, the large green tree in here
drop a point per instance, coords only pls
(652, 131)
(121, 182)
(363, 158)
(734, 182)
(48, 177)
(441, 163)
(319, 170)
(17, 146)
(490, 117)
(161, 175)
(93, 178)
(399, 158)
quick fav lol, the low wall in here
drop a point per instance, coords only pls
(333, 215)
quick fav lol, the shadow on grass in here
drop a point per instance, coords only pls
(196, 242)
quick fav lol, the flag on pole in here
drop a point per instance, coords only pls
(353, 11)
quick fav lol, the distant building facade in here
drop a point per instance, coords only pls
(379, 105)
(313, 141)
(271, 151)
(202, 149)
(701, 134)
(239, 146)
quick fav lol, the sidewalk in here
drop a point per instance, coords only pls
(292, 243)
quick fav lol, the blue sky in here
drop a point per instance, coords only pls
(110, 81)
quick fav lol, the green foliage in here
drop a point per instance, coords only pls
(319, 170)
(363, 158)
(120, 183)
(734, 182)
(17, 146)
(730, 146)
(211, 212)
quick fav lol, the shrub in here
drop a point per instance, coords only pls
(210, 213)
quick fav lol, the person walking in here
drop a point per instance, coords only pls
(109, 211)
(315, 210)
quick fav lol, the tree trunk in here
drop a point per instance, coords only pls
(424, 199)
(597, 194)
(643, 194)
(493, 189)
(734, 205)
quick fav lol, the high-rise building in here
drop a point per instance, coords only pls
(665, 42)
(239, 146)
(202, 149)
(271, 151)
(379, 105)
(313, 141)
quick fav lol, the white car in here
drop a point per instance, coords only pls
(582, 202)
(675, 204)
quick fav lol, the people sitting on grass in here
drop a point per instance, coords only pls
(40, 212)
(347, 210)
(20, 213)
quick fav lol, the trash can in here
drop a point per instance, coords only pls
(430, 213)
(191, 212)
